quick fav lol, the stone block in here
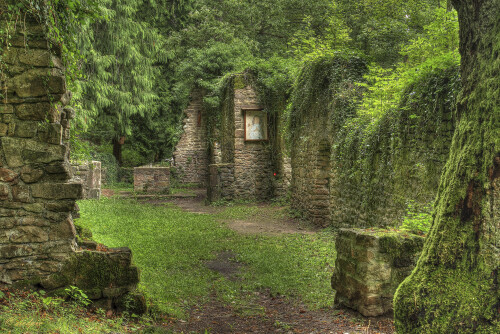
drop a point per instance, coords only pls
(33, 221)
(19, 151)
(365, 275)
(6, 109)
(8, 118)
(7, 222)
(30, 174)
(28, 234)
(152, 179)
(7, 175)
(51, 133)
(64, 230)
(33, 111)
(37, 83)
(26, 129)
(57, 190)
(35, 57)
(61, 205)
(21, 193)
(4, 129)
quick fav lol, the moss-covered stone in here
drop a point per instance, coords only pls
(101, 275)
(133, 302)
(370, 265)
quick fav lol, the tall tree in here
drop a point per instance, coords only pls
(120, 74)
(455, 286)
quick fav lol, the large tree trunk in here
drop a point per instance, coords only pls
(117, 150)
(455, 287)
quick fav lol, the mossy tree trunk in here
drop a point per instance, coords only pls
(455, 287)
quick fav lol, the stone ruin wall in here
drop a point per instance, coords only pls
(152, 179)
(312, 173)
(244, 169)
(331, 190)
(89, 174)
(38, 247)
(369, 267)
(253, 169)
(191, 153)
(37, 196)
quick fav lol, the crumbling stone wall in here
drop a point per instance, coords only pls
(89, 174)
(191, 153)
(152, 179)
(253, 169)
(37, 192)
(369, 267)
(37, 231)
(349, 170)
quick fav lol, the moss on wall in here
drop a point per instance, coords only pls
(380, 164)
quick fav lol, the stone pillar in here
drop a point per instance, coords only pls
(221, 182)
(370, 265)
(88, 174)
(191, 153)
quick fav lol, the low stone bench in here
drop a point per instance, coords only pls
(152, 179)
(370, 265)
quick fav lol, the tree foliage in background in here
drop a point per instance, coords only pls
(174, 46)
(120, 75)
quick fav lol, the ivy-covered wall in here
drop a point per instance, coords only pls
(381, 168)
(324, 96)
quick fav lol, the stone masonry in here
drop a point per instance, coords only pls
(370, 266)
(337, 181)
(191, 153)
(253, 170)
(37, 234)
(152, 179)
(89, 174)
(245, 169)
(36, 227)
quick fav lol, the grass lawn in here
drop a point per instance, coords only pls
(171, 247)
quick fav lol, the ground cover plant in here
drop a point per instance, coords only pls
(172, 247)
(35, 312)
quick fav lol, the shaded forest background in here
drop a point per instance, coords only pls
(134, 62)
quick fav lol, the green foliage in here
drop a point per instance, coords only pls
(440, 37)
(77, 295)
(416, 221)
(35, 312)
(171, 246)
(327, 84)
(120, 75)
(308, 44)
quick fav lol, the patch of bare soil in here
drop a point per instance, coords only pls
(271, 314)
(270, 220)
(276, 314)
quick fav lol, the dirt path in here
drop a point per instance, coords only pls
(276, 314)
(267, 313)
